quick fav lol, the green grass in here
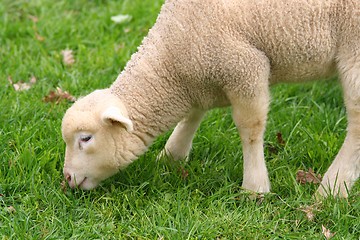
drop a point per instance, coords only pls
(201, 199)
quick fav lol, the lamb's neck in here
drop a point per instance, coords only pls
(155, 102)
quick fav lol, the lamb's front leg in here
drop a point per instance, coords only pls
(179, 143)
(250, 118)
(345, 169)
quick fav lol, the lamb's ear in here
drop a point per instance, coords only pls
(114, 114)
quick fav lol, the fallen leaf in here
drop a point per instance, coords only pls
(309, 211)
(39, 37)
(11, 209)
(304, 177)
(121, 18)
(184, 172)
(33, 80)
(68, 57)
(326, 232)
(58, 95)
(21, 85)
(280, 138)
(34, 19)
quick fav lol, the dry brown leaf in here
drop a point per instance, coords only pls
(184, 172)
(32, 80)
(34, 19)
(327, 232)
(39, 37)
(11, 209)
(280, 138)
(304, 177)
(68, 57)
(309, 211)
(58, 95)
(21, 85)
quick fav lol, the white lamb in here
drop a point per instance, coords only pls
(205, 54)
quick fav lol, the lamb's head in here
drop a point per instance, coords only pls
(95, 130)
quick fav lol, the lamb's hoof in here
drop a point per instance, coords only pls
(258, 197)
(256, 192)
(256, 187)
(255, 196)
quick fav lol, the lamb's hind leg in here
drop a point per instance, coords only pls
(179, 143)
(345, 169)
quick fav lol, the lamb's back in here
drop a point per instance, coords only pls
(299, 37)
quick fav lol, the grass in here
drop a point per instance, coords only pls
(201, 199)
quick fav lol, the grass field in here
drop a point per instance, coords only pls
(200, 199)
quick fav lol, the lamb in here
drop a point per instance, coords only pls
(201, 55)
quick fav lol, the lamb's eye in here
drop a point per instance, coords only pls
(85, 138)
